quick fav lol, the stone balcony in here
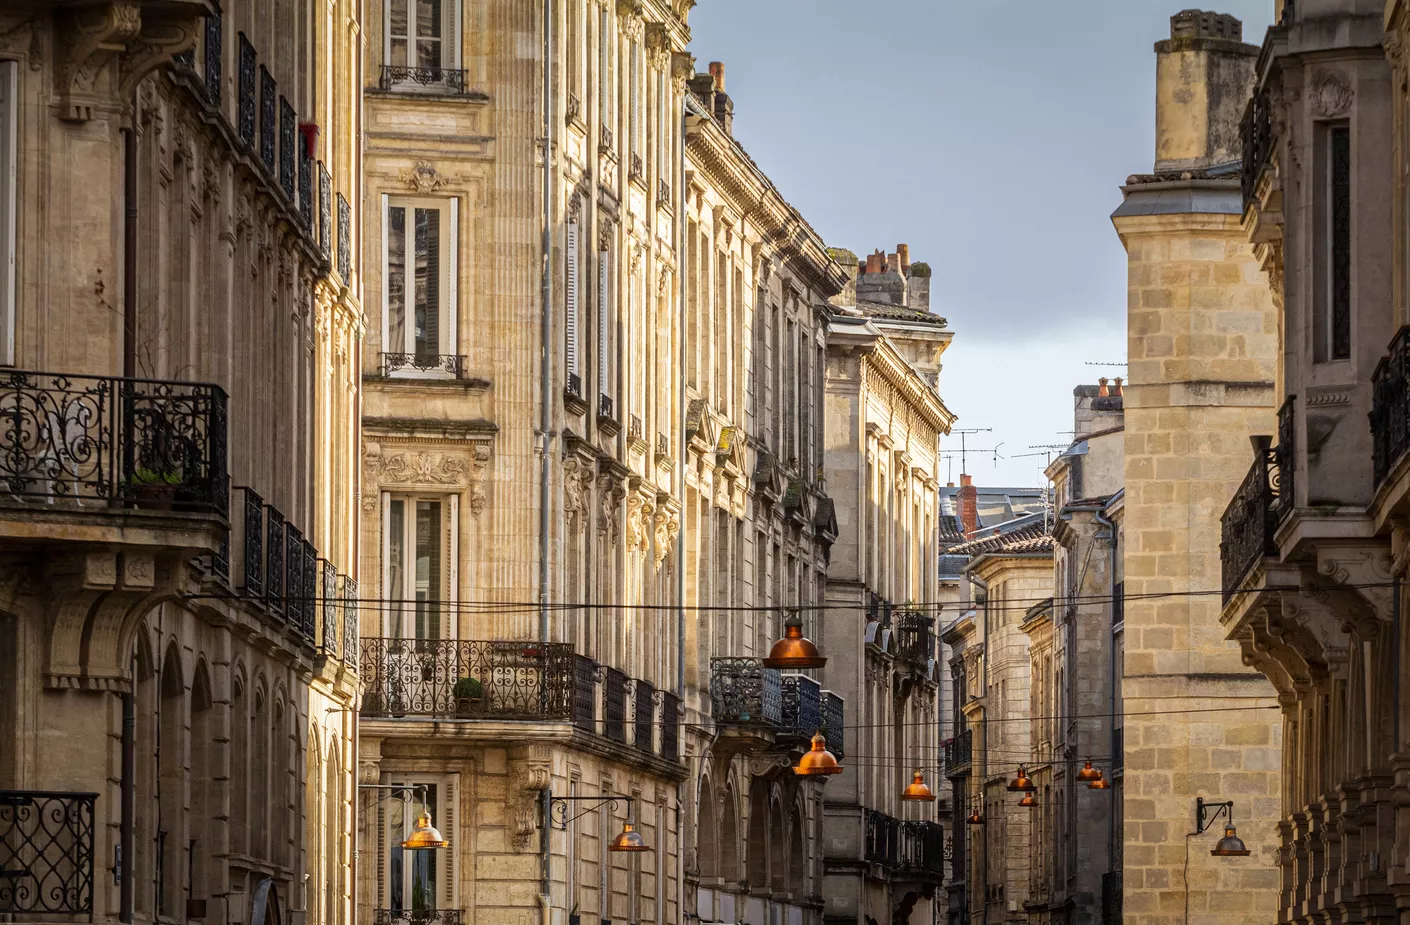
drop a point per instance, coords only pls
(761, 708)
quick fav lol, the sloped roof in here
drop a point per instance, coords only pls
(899, 313)
(1030, 538)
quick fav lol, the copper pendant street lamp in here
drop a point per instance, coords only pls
(794, 650)
(1101, 783)
(976, 817)
(1022, 783)
(1230, 846)
(1028, 802)
(629, 839)
(917, 791)
(1088, 773)
(817, 760)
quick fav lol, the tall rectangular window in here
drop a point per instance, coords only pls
(1331, 304)
(419, 285)
(634, 111)
(571, 300)
(421, 41)
(420, 881)
(604, 73)
(9, 108)
(606, 369)
(418, 539)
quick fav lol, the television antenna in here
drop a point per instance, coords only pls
(964, 432)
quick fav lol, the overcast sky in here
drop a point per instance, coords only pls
(989, 135)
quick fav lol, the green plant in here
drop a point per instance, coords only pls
(468, 689)
(143, 476)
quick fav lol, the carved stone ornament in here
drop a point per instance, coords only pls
(667, 524)
(658, 43)
(609, 501)
(533, 776)
(577, 488)
(423, 468)
(638, 514)
(424, 178)
(682, 67)
(1332, 94)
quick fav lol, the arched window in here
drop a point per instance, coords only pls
(756, 852)
(171, 788)
(707, 836)
(332, 836)
(315, 821)
(259, 778)
(145, 707)
(239, 770)
(204, 798)
(729, 837)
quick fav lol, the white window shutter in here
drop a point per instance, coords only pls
(604, 324)
(570, 260)
(452, 270)
(450, 628)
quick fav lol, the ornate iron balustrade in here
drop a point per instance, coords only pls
(834, 726)
(663, 194)
(604, 407)
(219, 561)
(213, 52)
(306, 190)
(742, 690)
(328, 610)
(347, 591)
(392, 363)
(802, 705)
(921, 849)
(140, 443)
(584, 693)
(670, 726)
(46, 854)
(916, 636)
(959, 753)
(288, 126)
(1390, 407)
(1256, 131)
(635, 170)
(268, 90)
(644, 717)
(1248, 523)
(519, 679)
(245, 102)
(450, 80)
(274, 559)
(294, 595)
(574, 385)
(344, 239)
(309, 565)
(883, 837)
(250, 523)
(573, 108)
(614, 707)
(1111, 897)
(635, 429)
(325, 211)
(418, 916)
(1285, 454)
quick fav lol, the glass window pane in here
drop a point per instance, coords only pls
(398, 55)
(428, 18)
(397, 826)
(423, 871)
(428, 282)
(396, 280)
(428, 53)
(429, 569)
(396, 558)
(396, 26)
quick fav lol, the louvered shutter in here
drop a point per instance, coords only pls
(427, 275)
(451, 593)
(604, 324)
(570, 297)
(448, 815)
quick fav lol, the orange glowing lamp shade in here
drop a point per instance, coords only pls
(917, 791)
(628, 840)
(1028, 802)
(1088, 773)
(976, 818)
(817, 760)
(1230, 846)
(423, 835)
(1021, 783)
(794, 650)
(1101, 783)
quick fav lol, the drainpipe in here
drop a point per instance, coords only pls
(1395, 658)
(546, 422)
(1111, 688)
(129, 248)
(126, 836)
(682, 246)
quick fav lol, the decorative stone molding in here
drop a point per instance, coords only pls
(1332, 94)
(424, 178)
(423, 469)
(667, 525)
(639, 511)
(113, 36)
(658, 44)
(577, 488)
(1367, 570)
(610, 493)
(532, 773)
(682, 68)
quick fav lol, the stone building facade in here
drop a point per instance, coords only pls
(180, 322)
(883, 860)
(1200, 723)
(1310, 568)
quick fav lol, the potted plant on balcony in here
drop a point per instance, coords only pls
(154, 488)
(469, 694)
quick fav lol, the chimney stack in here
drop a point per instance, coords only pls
(1102, 391)
(968, 503)
(875, 262)
(1117, 390)
(717, 71)
(903, 251)
(893, 262)
(1203, 79)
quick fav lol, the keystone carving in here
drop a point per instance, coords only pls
(425, 178)
(1332, 95)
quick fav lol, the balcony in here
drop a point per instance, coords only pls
(91, 442)
(959, 754)
(834, 727)
(1257, 136)
(46, 855)
(1249, 522)
(469, 679)
(907, 848)
(1390, 407)
(802, 706)
(614, 708)
(423, 365)
(422, 79)
(744, 692)
(915, 638)
(644, 717)
(418, 916)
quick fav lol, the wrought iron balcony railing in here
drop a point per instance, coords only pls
(959, 753)
(418, 916)
(139, 443)
(516, 679)
(915, 636)
(1285, 456)
(882, 835)
(246, 90)
(920, 849)
(447, 80)
(268, 111)
(605, 408)
(1256, 130)
(1249, 521)
(742, 690)
(1390, 407)
(644, 717)
(46, 854)
(834, 727)
(1111, 897)
(411, 363)
(670, 726)
(614, 707)
(212, 52)
(802, 705)
(584, 693)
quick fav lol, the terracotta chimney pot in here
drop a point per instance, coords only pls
(904, 252)
(1102, 391)
(717, 71)
(874, 262)
(1117, 388)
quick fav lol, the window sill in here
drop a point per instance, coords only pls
(414, 91)
(445, 383)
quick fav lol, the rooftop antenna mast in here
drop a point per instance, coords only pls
(965, 431)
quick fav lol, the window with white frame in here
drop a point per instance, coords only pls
(419, 286)
(421, 42)
(418, 880)
(606, 369)
(9, 108)
(419, 536)
(572, 281)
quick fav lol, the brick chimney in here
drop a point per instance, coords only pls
(717, 71)
(1102, 391)
(710, 90)
(876, 262)
(968, 503)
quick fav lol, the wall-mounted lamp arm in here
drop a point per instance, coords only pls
(558, 806)
(1207, 812)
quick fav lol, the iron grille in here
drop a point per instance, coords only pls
(921, 849)
(670, 726)
(274, 561)
(46, 853)
(293, 575)
(644, 717)
(584, 693)
(214, 56)
(1256, 131)
(1248, 523)
(344, 239)
(604, 407)
(802, 705)
(146, 443)
(742, 690)
(328, 612)
(882, 838)
(1390, 407)
(423, 363)
(351, 647)
(288, 127)
(309, 626)
(615, 705)
(959, 753)
(1285, 455)
(450, 80)
(305, 189)
(575, 385)
(833, 723)
(915, 633)
(268, 90)
(418, 917)
(252, 542)
(245, 106)
(519, 679)
(220, 559)
(325, 211)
